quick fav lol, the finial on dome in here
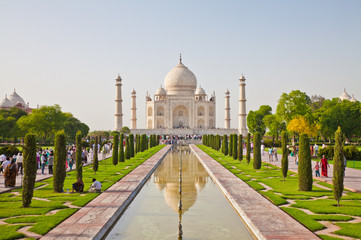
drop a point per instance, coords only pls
(14, 90)
(180, 58)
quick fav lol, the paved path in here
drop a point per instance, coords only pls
(95, 219)
(265, 219)
(39, 176)
(352, 179)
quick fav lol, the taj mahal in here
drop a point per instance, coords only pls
(181, 107)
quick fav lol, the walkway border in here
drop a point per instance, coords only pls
(265, 220)
(95, 220)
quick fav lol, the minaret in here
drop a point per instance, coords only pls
(118, 104)
(242, 129)
(133, 109)
(227, 114)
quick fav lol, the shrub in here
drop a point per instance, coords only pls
(240, 147)
(352, 153)
(225, 145)
(29, 169)
(257, 162)
(9, 150)
(78, 160)
(95, 157)
(230, 148)
(284, 161)
(327, 151)
(115, 148)
(131, 145)
(235, 146)
(127, 148)
(338, 166)
(304, 165)
(59, 161)
(121, 148)
(248, 154)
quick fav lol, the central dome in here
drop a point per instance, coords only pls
(180, 81)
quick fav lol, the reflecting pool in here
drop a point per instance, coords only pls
(180, 201)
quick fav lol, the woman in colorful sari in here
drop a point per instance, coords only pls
(10, 174)
(324, 166)
(78, 186)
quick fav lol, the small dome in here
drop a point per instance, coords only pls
(161, 91)
(200, 91)
(180, 81)
(227, 91)
(6, 103)
(345, 96)
(15, 98)
(353, 99)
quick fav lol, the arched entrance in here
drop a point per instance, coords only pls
(180, 117)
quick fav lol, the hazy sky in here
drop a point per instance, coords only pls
(70, 52)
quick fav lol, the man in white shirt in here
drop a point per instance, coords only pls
(96, 186)
(19, 161)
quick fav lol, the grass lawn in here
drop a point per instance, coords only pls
(319, 201)
(40, 215)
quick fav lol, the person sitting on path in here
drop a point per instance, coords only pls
(324, 166)
(78, 186)
(95, 187)
(317, 169)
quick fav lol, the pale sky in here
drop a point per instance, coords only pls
(70, 52)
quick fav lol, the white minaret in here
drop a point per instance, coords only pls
(227, 113)
(242, 129)
(118, 104)
(133, 109)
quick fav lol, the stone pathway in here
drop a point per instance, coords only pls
(39, 176)
(352, 179)
(95, 219)
(265, 219)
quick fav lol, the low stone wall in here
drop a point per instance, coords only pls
(185, 131)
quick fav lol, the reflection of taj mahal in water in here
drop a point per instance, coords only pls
(166, 178)
(181, 108)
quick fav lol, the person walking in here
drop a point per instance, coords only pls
(43, 162)
(51, 162)
(324, 166)
(10, 174)
(19, 161)
(275, 153)
(270, 154)
(317, 169)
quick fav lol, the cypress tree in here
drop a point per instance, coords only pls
(143, 140)
(95, 156)
(225, 142)
(136, 144)
(78, 160)
(29, 169)
(284, 160)
(240, 147)
(304, 165)
(157, 140)
(230, 147)
(257, 162)
(115, 148)
(146, 142)
(121, 150)
(131, 145)
(338, 166)
(218, 142)
(235, 147)
(248, 153)
(127, 148)
(59, 161)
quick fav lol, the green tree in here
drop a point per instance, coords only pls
(125, 130)
(296, 103)
(79, 162)
(345, 114)
(127, 148)
(248, 153)
(338, 166)
(29, 169)
(72, 125)
(255, 119)
(115, 148)
(257, 162)
(235, 146)
(121, 150)
(95, 157)
(274, 125)
(131, 145)
(143, 142)
(284, 161)
(8, 123)
(230, 148)
(240, 147)
(304, 165)
(59, 161)
(43, 121)
(225, 144)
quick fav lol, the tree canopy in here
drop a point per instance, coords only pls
(294, 104)
(255, 119)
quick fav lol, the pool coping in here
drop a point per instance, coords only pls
(95, 220)
(263, 218)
